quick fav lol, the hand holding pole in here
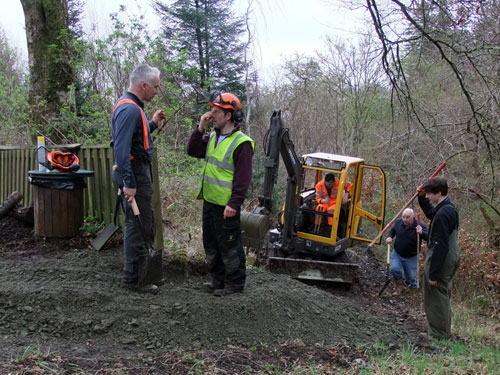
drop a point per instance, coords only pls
(443, 164)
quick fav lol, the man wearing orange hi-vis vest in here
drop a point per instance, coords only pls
(133, 152)
(326, 197)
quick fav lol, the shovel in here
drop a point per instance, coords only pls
(150, 264)
(109, 230)
(388, 280)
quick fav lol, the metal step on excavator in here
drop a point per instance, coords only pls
(310, 239)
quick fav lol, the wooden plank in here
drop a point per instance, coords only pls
(110, 186)
(31, 166)
(88, 202)
(104, 208)
(5, 177)
(58, 213)
(50, 200)
(10, 169)
(38, 205)
(156, 201)
(94, 190)
(3, 166)
(24, 176)
(36, 212)
(16, 175)
(96, 198)
(8, 148)
(62, 226)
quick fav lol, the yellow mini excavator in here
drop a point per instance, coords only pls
(307, 243)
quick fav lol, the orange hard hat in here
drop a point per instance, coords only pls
(63, 161)
(225, 100)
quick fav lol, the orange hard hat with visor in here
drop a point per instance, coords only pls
(224, 100)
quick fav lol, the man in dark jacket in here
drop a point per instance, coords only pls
(443, 256)
(404, 255)
(226, 175)
(133, 152)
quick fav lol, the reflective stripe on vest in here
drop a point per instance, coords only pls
(144, 124)
(216, 180)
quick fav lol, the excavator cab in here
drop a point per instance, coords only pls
(358, 210)
(309, 240)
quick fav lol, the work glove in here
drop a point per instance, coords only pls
(420, 190)
(321, 208)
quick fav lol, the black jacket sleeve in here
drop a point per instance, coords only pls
(426, 206)
(444, 222)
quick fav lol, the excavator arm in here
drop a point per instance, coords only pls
(294, 182)
(276, 142)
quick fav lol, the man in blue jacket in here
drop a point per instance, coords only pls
(404, 255)
(133, 152)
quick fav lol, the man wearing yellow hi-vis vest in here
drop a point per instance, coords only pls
(226, 175)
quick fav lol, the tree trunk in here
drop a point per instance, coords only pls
(11, 202)
(51, 72)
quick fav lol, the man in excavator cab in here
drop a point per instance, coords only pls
(326, 198)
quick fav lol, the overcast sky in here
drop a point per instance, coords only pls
(283, 27)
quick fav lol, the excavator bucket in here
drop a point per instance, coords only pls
(315, 270)
(253, 229)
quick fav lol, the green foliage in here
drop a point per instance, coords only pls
(175, 162)
(209, 32)
(89, 126)
(13, 97)
(91, 226)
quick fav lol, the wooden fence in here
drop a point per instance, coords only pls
(99, 196)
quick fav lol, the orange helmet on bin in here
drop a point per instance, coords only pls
(63, 161)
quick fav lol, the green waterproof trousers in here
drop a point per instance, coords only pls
(437, 302)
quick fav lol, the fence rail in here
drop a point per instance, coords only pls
(99, 196)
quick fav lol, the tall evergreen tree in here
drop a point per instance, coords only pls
(210, 33)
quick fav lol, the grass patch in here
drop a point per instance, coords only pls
(448, 357)
(478, 354)
(472, 324)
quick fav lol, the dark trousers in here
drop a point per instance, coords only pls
(133, 242)
(437, 300)
(223, 247)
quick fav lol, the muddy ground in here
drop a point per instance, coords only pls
(62, 299)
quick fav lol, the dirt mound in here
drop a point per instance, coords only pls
(71, 301)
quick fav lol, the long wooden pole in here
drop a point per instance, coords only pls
(443, 164)
(418, 253)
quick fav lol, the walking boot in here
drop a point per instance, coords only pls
(399, 287)
(211, 287)
(227, 291)
(149, 289)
